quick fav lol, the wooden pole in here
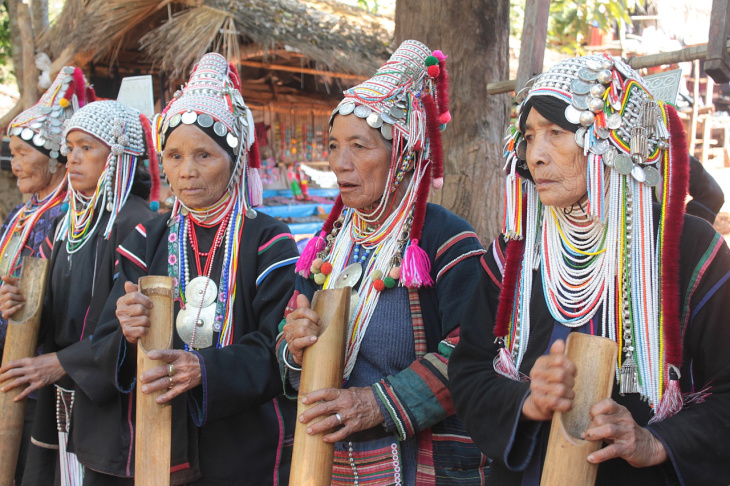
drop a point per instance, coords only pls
(565, 459)
(532, 45)
(303, 70)
(20, 342)
(322, 366)
(153, 436)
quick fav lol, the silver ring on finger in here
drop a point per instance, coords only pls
(171, 384)
(339, 418)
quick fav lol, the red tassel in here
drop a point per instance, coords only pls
(314, 246)
(678, 187)
(442, 88)
(234, 77)
(672, 400)
(434, 137)
(419, 214)
(80, 84)
(154, 167)
(254, 159)
(515, 249)
(415, 269)
(334, 214)
(90, 95)
(70, 90)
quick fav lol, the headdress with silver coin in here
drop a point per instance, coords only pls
(634, 144)
(127, 133)
(406, 101)
(42, 124)
(212, 101)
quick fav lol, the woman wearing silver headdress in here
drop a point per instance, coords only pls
(104, 143)
(586, 250)
(233, 274)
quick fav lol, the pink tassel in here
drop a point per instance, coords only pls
(255, 187)
(314, 246)
(416, 267)
(671, 402)
(438, 183)
(505, 366)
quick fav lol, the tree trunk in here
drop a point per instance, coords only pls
(39, 9)
(475, 36)
(28, 84)
(12, 6)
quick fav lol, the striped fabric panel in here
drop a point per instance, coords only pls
(425, 472)
(379, 467)
(403, 424)
(419, 331)
(453, 240)
(698, 273)
(485, 266)
(458, 260)
(132, 257)
(272, 241)
(274, 266)
(498, 256)
(433, 371)
(141, 230)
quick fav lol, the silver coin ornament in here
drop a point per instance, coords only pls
(232, 140)
(599, 148)
(374, 120)
(220, 129)
(587, 118)
(580, 136)
(572, 115)
(521, 149)
(198, 321)
(387, 131)
(609, 156)
(26, 134)
(614, 121)
(397, 112)
(175, 120)
(593, 64)
(362, 111)
(638, 173)
(651, 176)
(349, 276)
(623, 164)
(602, 132)
(587, 74)
(347, 108)
(579, 87)
(387, 118)
(201, 291)
(580, 102)
(189, 117)
(251, 213)
(205, 120)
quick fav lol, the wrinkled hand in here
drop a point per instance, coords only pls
(11, 300)
(356, 406)
(35, 372)
(133, 312)
(613, 424)
(187, 374)
(551, 385)
(301, 329)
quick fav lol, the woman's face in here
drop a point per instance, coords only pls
(556, 162)
(196, 166)
(86, 161)
(32, 170)
(360, 160)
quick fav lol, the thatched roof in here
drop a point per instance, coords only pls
(323, 34)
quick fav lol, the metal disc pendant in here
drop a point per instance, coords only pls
(580, 136)
(572, 115)
(175, 120)
(205, 120)
(189, 117)
(397, 112)
(581, 102)
(347, 108)
(199, 320)
(579, 87)
(521, 149)
(46, 110)
(614, 121)
(201, 291)
(218, 128)
(387, 118)
(610, 156)
(38, 140)
(651, 176)
(362, 111)
(623, 164)
(349, 276)
(6, 259)
(387, 131)
(594, 64)
(587, 74)
(251, 213)
(231, 140)
(638, 173)
(26, 134)
(374, 120)
(599, 148)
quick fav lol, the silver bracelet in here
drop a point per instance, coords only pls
(286, 361)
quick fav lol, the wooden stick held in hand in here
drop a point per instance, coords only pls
(153, 437)
(20, 342)
(322, 367)
(565, 459)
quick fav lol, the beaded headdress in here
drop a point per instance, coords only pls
(42, 124)
(128, 135)
(625, 268)
(407, 102)
(212, 101)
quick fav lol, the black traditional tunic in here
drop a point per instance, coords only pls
(697, 439)
(78, 286)
(231, 429)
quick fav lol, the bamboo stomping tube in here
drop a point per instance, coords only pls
(153, 436)
(20, 342)
(565, 460)
(322, 367)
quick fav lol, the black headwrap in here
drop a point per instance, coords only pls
(551, 108)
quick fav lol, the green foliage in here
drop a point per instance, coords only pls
(6, 46)
(369, 5)
(569, 26)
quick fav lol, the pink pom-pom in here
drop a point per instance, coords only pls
(445, 118)
(438, 183)
(394, 273)
(314, 246)
(434, 71)
(439, 55)
(415, 270)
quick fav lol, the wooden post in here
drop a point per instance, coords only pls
(565, 459)
(322, 366)
(20, 342)
(153, 436)
(532, 45)
(717, 64)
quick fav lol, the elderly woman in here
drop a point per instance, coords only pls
(108, 185)
(35, 143)
(393, 421)
(233, 273)
(585, 250)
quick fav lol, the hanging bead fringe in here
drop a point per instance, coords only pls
(314, 246)
(416, 267)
